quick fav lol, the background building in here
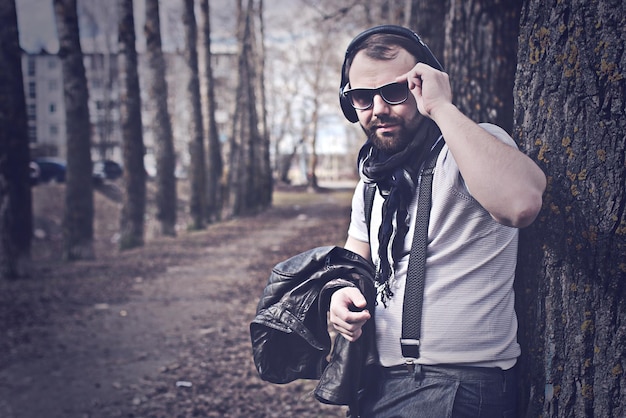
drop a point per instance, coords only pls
(43, 84)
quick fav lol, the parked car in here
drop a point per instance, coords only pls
(50, 169)
(107, 170)
(34, 173)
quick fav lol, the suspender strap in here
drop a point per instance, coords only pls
(368, 199)
(416, 273)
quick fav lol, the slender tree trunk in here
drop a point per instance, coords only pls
(245, 138)
(571, 284)
(312, 184)
(265, 179)
(282, 163)
(235, 142)
(163, 137)
(79, 209)
(253, 196)
(197, 203)
(214, 149)
(15, 194)
(134, 204)
(481, 53)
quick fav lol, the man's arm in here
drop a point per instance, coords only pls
(347, 305)
(505, 181)
(360, 247)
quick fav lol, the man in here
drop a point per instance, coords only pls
(483, 190)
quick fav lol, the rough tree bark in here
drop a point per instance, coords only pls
(162, 127)
(427, 18)
(197, 177)
(16, 228)
(134, 197)
(79, 211)
(481, 54)
(569, 115)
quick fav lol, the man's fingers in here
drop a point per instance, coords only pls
(348, 333)
(348, 313)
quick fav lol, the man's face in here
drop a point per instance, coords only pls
(390, 127)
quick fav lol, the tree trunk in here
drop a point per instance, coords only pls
(163, 137)
(246, 137)
(265, 179)
(427, 18)
(214, 149)
(571, 285)
(79, 210)
(235, 161)
(15, 195)
(311, 175)
(481, 37)
(384, 11)
(255, 196)
(134, 197)
(197, 202)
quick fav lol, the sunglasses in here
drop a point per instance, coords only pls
(392, 93)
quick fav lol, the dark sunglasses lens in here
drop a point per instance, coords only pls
(361, 99)
(395, 93)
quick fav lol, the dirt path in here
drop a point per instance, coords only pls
(162, 332)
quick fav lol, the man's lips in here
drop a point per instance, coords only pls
(386, 126)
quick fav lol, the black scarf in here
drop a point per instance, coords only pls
(395, 176)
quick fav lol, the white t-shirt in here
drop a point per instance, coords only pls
(468, 315)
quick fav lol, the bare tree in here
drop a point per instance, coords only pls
(134, 197)
(15, 196)
(79, 210)
(281, 120)
(197, 201)
(214, 149)
(245, 140)
(162, 127)
(317, 63)
(482, 65)
(569, 116)
(309, 133)
(284, 96)
(264, 176)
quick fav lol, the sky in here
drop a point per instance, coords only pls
(37, 27)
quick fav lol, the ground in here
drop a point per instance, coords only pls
(158, 331)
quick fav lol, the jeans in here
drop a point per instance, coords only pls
(442, 391)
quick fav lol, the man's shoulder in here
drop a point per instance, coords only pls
(498, 132)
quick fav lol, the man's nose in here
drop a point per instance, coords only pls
(379, 106)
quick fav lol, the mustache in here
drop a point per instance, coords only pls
(381, 120)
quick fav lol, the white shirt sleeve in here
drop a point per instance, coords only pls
(358, 227)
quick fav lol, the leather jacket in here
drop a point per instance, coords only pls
(289, 333)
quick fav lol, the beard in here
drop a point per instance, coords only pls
(392, 142)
